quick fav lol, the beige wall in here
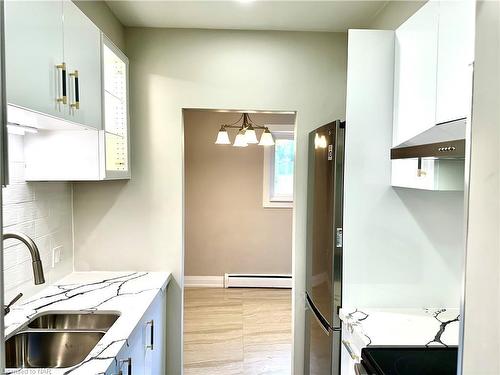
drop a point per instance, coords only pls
(99, 12)
(227, 228)
(139, 224)
(482, 287)
(395, 13)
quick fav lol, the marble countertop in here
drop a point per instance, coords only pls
(129, 293)
(427, 327)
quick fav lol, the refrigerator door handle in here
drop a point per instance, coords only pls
(324, 325)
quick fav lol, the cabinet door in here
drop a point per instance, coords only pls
(159, 352)
(415, 73)
(82, 53)
(116, 161)
(455, 57)
(130, 360)
(154, 336)
(33, 49)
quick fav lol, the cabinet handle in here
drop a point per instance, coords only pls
(64, 97)
(151, 323)
(76, 86)
(128, 361)
(420, 171)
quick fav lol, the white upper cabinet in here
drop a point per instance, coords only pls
(455, 58)
(82, 46)
(53, 63)
(71, 83)
(433, 67)
(416, 53)
(88, 154)
(33, 50)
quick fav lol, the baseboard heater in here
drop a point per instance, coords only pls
(233, 280)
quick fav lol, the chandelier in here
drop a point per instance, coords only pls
(246, 133)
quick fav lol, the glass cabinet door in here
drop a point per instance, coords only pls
(116, 121)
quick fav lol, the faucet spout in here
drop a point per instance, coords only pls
(38, 275)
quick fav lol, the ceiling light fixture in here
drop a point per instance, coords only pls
(246, 133)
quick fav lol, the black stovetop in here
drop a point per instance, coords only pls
(410, 360)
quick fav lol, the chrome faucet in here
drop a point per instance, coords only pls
(35, 254)
(38, 276)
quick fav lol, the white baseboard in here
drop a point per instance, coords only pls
(257, 281)
(204, 281)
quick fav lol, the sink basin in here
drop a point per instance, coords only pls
(49, 349)
(75, 321)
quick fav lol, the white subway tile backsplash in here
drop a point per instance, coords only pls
(18, 193)
(16, 148)
(27, 228)
(41, 208)
(10, 256)
(43, 211)
(17, 213)
(16, 172)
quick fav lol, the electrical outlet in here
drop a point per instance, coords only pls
(56, 255)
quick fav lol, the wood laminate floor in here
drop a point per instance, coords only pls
(237, 331)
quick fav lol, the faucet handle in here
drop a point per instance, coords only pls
(14, 300)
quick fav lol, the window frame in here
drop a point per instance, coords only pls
(268, 198)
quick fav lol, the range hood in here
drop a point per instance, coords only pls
(443, 141)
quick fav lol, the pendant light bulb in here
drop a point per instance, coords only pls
(250, 135)
(266, 138)
(222, 137)
(240, 140)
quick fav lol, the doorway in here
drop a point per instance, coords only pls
(238, 242)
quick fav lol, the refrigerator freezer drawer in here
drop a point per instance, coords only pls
(323, 352)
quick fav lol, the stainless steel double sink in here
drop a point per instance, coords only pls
(57, 340)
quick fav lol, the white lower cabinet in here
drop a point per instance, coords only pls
(350, 355)
(347, 362)
(145, 353)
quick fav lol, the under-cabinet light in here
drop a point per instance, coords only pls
(18, 129)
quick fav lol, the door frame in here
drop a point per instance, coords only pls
(294, 221)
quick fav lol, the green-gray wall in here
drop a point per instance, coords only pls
(140, 224)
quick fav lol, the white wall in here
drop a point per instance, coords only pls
(402, 247)
(44, 212)
(481, 343)
(139, 224)
(99, 12)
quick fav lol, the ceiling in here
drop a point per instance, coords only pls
(248, 15)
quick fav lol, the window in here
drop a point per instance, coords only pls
(279, 168)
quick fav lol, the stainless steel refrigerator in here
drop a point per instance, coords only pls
(325, 192)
